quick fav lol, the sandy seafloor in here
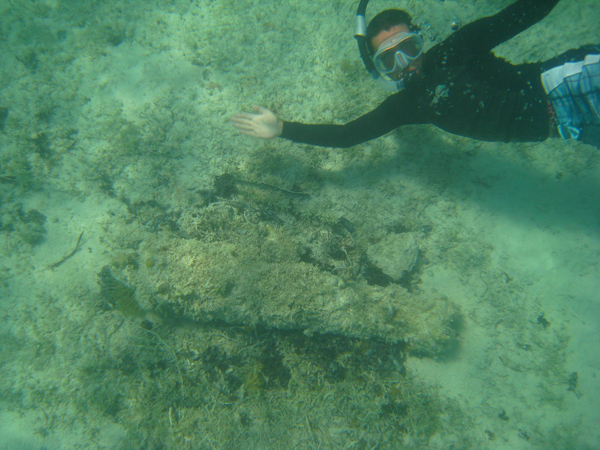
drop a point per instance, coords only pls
(113, 104)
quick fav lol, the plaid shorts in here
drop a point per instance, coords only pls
(573, 89)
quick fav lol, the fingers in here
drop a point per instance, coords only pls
(245, 123)
(247, 133)
(240, 117)
(259, 109)
(248, 119)
(243, 117)
(254, 124)
(243, 126)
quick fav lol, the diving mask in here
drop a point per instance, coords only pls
(397, 52)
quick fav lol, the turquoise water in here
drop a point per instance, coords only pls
(168, 283)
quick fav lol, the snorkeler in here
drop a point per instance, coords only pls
(460, 86)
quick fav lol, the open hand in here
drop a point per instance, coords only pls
(262, 124)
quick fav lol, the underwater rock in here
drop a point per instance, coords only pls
(257, 278)
(395, 254)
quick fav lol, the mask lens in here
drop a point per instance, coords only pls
(410, 47)
(387, 60)
(398, 50)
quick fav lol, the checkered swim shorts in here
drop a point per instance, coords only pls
(574, 91)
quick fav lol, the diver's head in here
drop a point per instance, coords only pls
(395, 44)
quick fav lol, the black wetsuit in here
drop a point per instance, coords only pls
(463, 88)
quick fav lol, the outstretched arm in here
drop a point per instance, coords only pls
(370, 126)
(484, 34)
(392, 113)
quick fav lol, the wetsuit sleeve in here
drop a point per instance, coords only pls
(386, 117)
(482, 35)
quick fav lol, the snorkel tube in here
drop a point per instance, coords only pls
(360, 34)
